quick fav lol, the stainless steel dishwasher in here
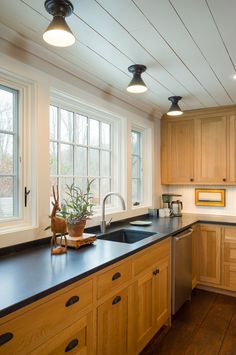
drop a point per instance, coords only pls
(181, 268)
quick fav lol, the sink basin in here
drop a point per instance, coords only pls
(126, 236)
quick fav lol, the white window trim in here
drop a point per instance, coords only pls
(62, 100)
(27, 218)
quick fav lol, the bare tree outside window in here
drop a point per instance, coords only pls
(80, 149)
(9, 174)
(136, 146)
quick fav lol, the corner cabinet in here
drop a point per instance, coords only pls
(209, 254)
(200, 147)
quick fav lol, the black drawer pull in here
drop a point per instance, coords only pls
(4, 338)
(72, 300)
(116, 276)
(116, 300)
(155, 272)
(72, 344)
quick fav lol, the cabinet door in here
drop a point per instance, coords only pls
(144, 309)
(209, 254)
(179, 144)
(113, 329)
(232, 149)
(161, 299)
(194, 256)
(152, 302)
(210, 149)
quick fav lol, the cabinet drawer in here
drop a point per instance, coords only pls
(230, 277)
(229, 235)
(151, 255)
(230, 252)
(109, 280)
(76, 339)
(37, 325)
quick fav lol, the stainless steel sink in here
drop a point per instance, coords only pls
(126, 236)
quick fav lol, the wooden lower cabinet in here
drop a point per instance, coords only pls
(229, 258)
(116, 311)
(209, 254)
(152, 302)
(113, 317)
(194, 255)
(76, 339)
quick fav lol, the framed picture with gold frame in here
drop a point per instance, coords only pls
(210, 197)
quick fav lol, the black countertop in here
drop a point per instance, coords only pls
(33, 273)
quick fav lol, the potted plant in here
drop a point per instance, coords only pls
(77, 208)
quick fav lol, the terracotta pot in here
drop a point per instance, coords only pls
(76, 230)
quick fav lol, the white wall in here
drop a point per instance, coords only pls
(46, 77)
(188, 198)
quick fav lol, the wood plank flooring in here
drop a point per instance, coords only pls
(204, 326)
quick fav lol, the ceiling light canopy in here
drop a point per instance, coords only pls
(174, 109)
(137, 84)
(58, 32)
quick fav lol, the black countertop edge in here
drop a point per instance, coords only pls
(36, 297)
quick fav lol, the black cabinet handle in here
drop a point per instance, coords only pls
(224, 179)
(116, 300)
(72, 344)
(192, 179)
(72, 300)
(4, 338)
(155, 272)
(116, 276)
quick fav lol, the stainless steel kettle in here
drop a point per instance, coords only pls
(176, 207)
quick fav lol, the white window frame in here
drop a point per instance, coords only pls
(146, 168)
(27, 217)
(70, 103)
(140, 158)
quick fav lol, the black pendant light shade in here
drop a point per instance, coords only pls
(58, 32)
(174, 109)
(137, 84)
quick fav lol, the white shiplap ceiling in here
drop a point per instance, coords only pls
(188, 46)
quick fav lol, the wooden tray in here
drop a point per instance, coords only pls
(78, 242)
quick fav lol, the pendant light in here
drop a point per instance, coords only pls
(174, 109)
(137, 84)
(58, 32)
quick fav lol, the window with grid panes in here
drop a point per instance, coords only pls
(9, 153)
(136, 149)
(80, 149)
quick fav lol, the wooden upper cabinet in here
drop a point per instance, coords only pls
(177, 151)
(211, 149)
(231, 171)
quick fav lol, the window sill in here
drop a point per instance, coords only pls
(20, 227)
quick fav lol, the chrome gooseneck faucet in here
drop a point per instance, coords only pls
(103, 223)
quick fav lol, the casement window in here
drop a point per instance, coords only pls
(136, 156)
(80, 149)
(9, 153)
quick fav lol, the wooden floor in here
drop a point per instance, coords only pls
(204, 326)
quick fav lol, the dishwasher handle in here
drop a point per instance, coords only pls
(190, 231)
